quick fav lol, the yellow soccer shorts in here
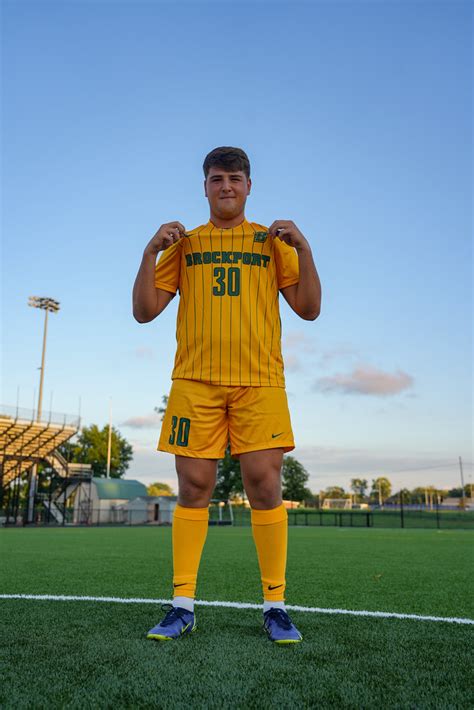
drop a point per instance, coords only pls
(200, 419)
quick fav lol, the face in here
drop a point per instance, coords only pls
(227, 192)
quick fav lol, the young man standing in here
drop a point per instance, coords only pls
(228, 376)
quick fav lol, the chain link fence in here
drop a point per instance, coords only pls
(241, 516)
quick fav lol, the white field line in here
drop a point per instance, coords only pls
(238, 605)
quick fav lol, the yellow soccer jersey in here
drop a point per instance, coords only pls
(228, 327)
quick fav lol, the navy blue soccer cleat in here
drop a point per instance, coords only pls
(177, 622)
(279, 627)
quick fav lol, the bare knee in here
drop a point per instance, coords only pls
(264, 490)
(193, 495)
(265, 494)
(261, 473)
(197, 480)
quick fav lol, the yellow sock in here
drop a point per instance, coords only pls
(270, 533)
(189, 534)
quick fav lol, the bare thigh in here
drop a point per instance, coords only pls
(261, 476)
(196, 479)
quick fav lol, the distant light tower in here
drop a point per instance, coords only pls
(47, 305)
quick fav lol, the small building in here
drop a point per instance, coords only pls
(337, 504)
(97, 500)
(155, 510)
(457, 503)
(289, 504)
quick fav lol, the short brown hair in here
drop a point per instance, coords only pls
(227, 158)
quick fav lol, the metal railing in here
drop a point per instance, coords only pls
(85, 515)
(30, 415)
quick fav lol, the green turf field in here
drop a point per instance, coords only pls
(90, 654)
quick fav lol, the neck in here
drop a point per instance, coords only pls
(226, 223)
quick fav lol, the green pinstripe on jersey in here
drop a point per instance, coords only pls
(234, 340)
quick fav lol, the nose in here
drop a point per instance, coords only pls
(227, 187)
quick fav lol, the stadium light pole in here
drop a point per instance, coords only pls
(47, 305)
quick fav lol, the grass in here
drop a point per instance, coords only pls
(94, 654)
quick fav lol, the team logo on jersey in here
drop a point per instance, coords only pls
(260, 236)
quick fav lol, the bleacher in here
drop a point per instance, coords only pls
(26, 440)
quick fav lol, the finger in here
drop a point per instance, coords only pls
(177, 225)
(276, 226)
(272, 229)
(175, 233)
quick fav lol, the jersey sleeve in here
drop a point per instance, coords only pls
(286, 262)
(168, 268)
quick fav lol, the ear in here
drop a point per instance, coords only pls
(249, 186)
(205, 188)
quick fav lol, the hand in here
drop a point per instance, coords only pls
(167, 235)
(288, 232)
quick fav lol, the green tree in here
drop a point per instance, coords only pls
(91, 447)
(381, 489)
(335, 492)
(159, 489)
(161, 410)
(294, 478)
(229, 477)
(359, 486)
(417, 495)
(457, 492)
(404, 496)
(312, 501)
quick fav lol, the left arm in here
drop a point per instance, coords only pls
(303, 297)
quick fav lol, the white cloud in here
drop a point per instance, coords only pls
(292, 363)
(298, 340)
(300, 352)
(366, 380)
(296, 347)
(339, 351)
(144, 352)
(149, 421)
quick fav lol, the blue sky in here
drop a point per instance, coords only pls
(357, 121)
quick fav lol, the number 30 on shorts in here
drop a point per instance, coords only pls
(180, 431)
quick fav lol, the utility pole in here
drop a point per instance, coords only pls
(47, 305)
(109, 446)
(462, 485)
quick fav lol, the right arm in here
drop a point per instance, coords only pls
(149, 301)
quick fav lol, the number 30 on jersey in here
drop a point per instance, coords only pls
(229, 285)
(180, 431)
